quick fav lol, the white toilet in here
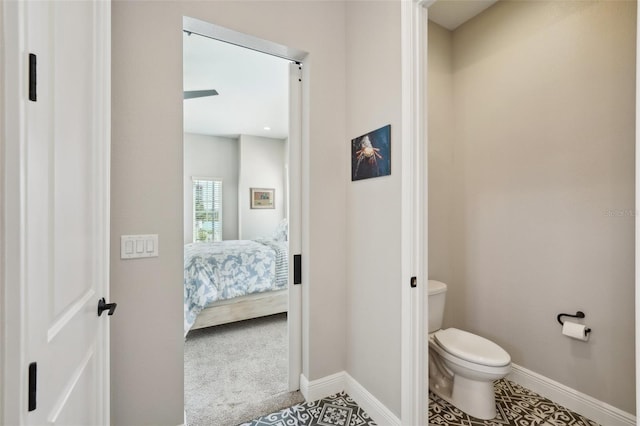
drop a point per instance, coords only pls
(462, 366)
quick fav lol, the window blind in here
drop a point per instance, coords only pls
(207, 209)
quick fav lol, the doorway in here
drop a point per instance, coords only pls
(498, 182)
(241, 224)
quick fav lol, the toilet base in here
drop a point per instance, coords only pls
(467, 386)
(474, 397)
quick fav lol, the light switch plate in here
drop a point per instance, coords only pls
(138, 246)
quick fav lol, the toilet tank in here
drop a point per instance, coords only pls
(437, 295)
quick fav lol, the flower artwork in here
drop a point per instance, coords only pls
(371, 154)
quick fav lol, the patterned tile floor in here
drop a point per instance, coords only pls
(515, 406)
(335, 410)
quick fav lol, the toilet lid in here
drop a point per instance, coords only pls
(472, 348)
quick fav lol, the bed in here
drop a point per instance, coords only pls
(234, 280)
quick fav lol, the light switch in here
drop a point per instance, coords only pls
(138, 246)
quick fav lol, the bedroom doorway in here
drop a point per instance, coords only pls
(242, 209)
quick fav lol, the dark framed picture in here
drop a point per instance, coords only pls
(262, 198)
(371, 154)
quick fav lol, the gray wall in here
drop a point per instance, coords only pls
(543, 197)
(147, 185)
(373, 205)
(218, 157)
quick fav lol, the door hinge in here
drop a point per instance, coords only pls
(33, 95)
(297, 269)
(299, 64)
(414, 282)
(104, 306)
(33, 375)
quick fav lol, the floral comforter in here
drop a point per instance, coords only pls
(228, 269)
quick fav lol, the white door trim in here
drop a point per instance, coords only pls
(414, 208)
(294, 213)
(298, 213)
(102, 58)
(13, 299)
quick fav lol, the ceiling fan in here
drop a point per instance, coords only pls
(190, 94)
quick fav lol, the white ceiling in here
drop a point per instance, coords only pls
(453, 13)
(253, 86)
(253, 89)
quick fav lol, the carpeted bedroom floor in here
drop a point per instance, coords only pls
(237, 372)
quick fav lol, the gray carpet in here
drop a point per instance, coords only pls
(236, 372)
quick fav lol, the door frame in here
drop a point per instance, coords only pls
(294, 209)
(12, 355)
(13, 300)
(298, 214)
(414, 227)
(414, 44)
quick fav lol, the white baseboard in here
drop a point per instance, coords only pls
(321, 388)
(342, 381)
(369, 403)
(579, 402)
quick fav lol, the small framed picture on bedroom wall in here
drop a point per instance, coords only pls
(263, 198)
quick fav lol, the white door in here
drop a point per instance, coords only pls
(63, 217)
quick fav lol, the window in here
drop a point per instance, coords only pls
(207, 209)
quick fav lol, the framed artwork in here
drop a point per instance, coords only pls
(371, 154)
(262, 198)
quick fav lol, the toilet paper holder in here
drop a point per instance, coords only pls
(578, 314)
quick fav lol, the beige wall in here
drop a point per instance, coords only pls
(542, 216)
(373, 205)
(3, 292)
(147, 336)
(440, 151)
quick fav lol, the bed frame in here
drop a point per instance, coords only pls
(243, 308)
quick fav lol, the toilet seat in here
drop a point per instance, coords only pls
(472, 348)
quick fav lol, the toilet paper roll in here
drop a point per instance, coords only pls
(575, 330)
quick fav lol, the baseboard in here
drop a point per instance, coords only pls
(321, 388)
(369, 403)
(342, 381)
(579, 402)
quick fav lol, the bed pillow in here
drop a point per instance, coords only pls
(281, 232)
